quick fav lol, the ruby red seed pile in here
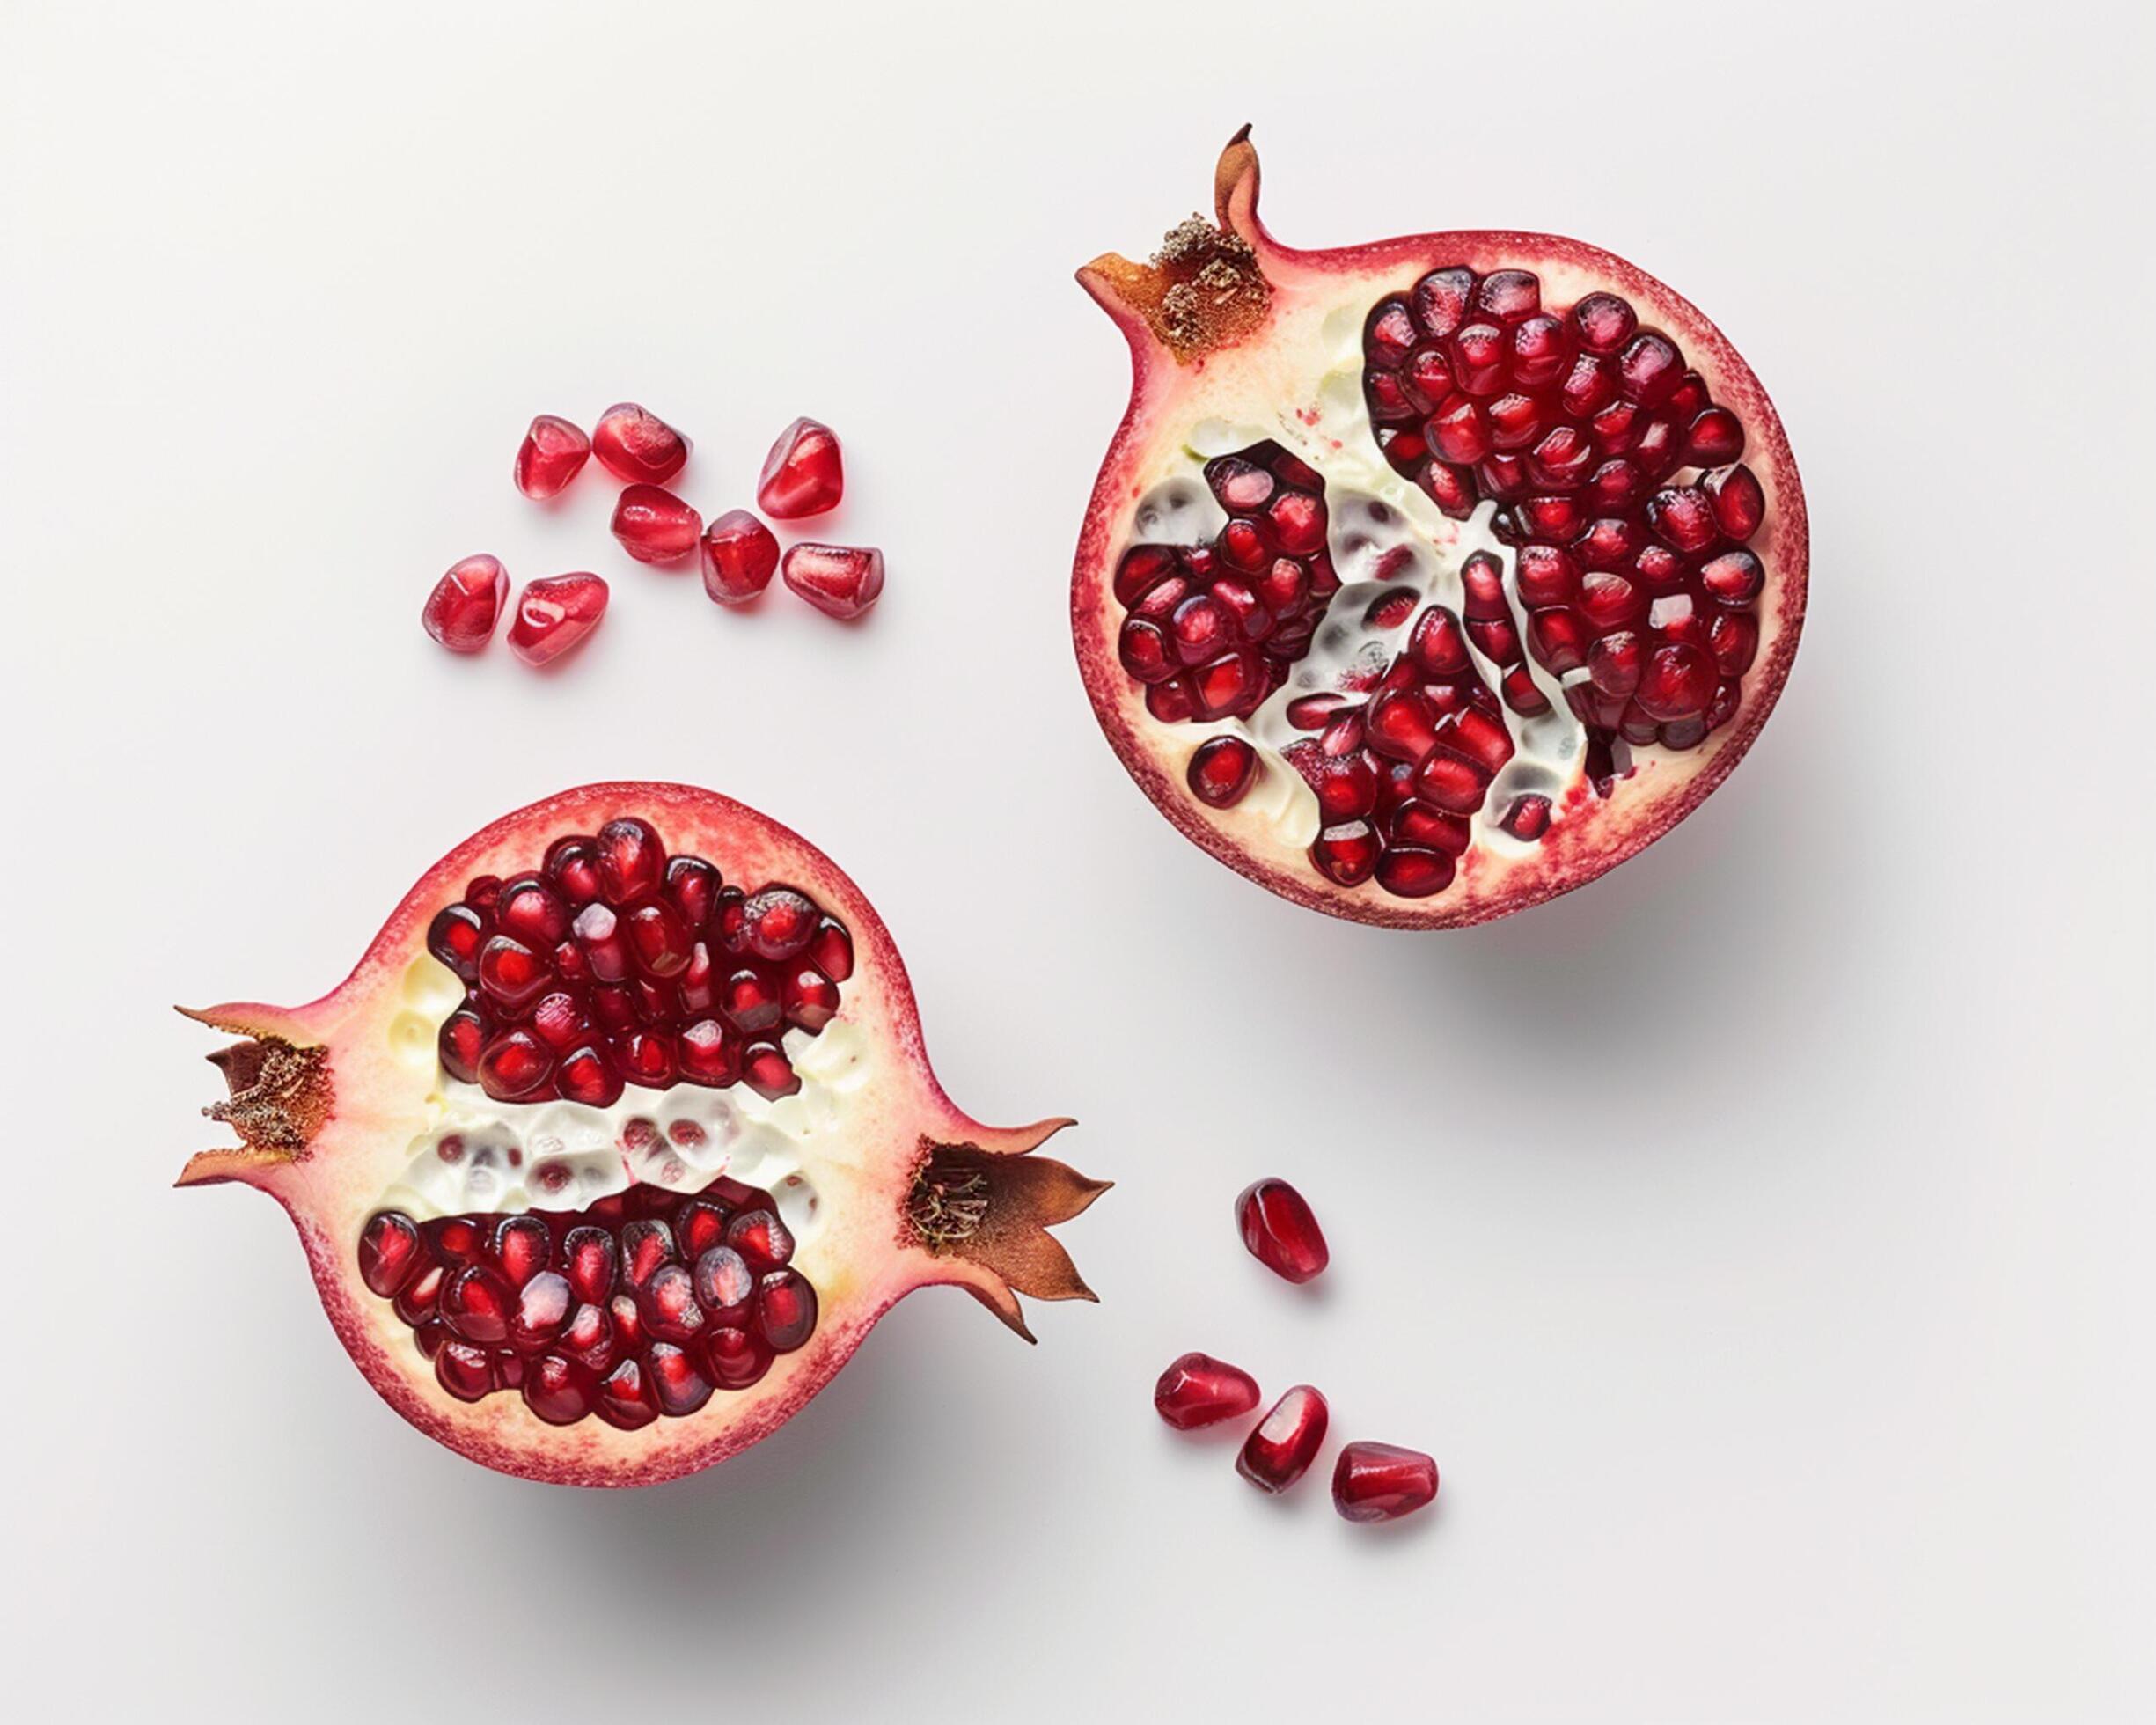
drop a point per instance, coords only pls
(614, 963)
(640, 1305)
(802, 476)
(1371, 1482)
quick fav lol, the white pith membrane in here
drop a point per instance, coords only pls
(478, 1156)
(1383, 534)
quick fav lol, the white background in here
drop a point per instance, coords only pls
(1760, 1239)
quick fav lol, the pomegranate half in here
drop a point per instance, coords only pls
(1427, 579)
(621, 1135)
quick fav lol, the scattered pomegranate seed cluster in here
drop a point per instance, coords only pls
(804, 476)
(1371, 1482)
(614, 963)
(639, 1305)
(1618, 484)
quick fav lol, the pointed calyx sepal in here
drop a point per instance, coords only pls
(281, 1095)
(1204, 289)
(994, 1211)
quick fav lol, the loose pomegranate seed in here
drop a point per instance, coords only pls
(1279, 1230)
(1279, 1450)
(553, 615)
(634, 445)
(467, 604)
(839, 580)
(740, 556)
(802, 474)
(1199, 1391)
(553, 453)
(655, 526)
(1380, 1482)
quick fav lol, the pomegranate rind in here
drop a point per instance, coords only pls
(862, 1259)
(1267, 375)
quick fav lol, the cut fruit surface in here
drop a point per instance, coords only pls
(621, 1137)
(1427, 579)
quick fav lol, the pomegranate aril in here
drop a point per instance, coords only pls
(760, 1236)
(477, 1303)
(1528, 818)
(1715, 436)
(1678, 682)
(542, 1310)
(803, 474)
(1281, 1449)
(1479, 354)
(1649, 369)
(514, 1065)
(839, 580)
(1684, 517)
(765, 1070)
(420, 1298)
(655, 526)
(1449, 782)
(1436, 644)
(1604, 323)
(1389, 335)
(1298, 523)
(1733, 640)
(676, 1383)
(588, 1258)
(667, 1303)
(724, 1285)
(529, 910)
(521, 1246)
(1280, 1231)
(1221, 771)
(389, 1252)
(647, 1244)
(831, 949)
(734, 1357)
(740, 555)
(812, 999)
(1740, 504)
(1418, 824)
(466, 602)
(572, 864)
(1733, 577)
(1458, 430)
(1199, 1391)
(1614, 662)
(1439, 300)
(1346, 853)
(465, 1370)
(658, 939)
(625, 1399)
(457, 1240)
(634, 445)
(456, 936)
(1380, 1482)
(1408, 872)
(553, 615)
(553, 453)
(510, 974)
(785, 1310)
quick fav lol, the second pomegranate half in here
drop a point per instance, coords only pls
(1427, 579)
(620, 1137)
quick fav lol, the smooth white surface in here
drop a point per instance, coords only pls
(1760, 1239)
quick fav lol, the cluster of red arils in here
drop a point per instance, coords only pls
(804, 476)
(1371, 1482)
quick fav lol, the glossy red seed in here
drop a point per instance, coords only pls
(514, 1065)
(1678, 682)
(553, 453)
(465, 1370)
(467, 604)
(477, 1303)
(1199, 1391)
(1380, 1482)
(554, 615)
(740, 557)
(1408, 871)
(655, 526)
(785, 1310)
(1528, 818)
(1221, 771)
(1279, 1230)
(1346, 853)
(1279, 1450)
(389, 1252)
(839, 580)
(803, 474)
(634, 444)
